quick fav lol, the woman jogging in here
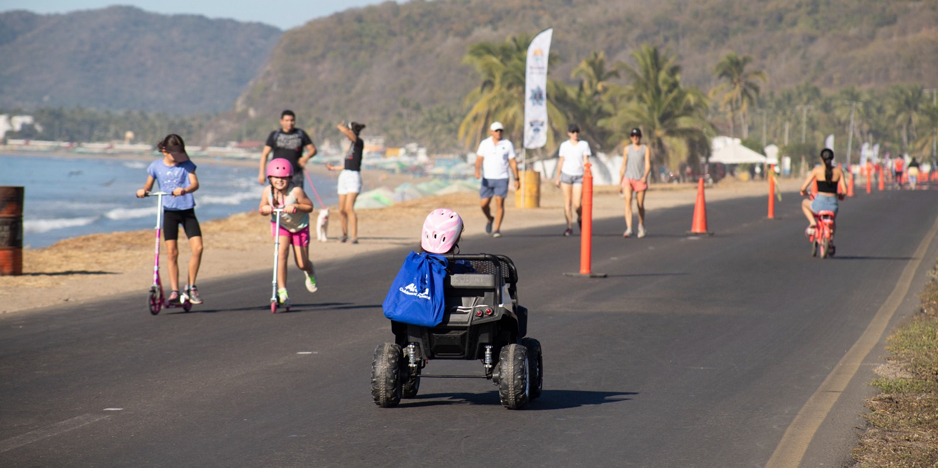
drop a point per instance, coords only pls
(574, 154)
(176, 174)
(636, 164)
(294, 223)
(350, 179)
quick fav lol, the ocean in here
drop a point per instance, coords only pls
(68, 196)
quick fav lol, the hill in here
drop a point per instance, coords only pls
(121, 58)
(386, 63)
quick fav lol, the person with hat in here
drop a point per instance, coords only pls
(574, 154)
(176, 175)
(636, 164)
(494, 158)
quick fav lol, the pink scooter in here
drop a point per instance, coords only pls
(274, 300)
(157, 300)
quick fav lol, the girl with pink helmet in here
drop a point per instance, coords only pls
(441, 231)
(294, 223)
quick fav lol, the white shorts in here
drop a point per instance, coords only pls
(350, 182)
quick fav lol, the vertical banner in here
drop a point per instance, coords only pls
(829, 142)
(535, 91)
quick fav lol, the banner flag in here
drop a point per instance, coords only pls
(535, 91)
(829, 142)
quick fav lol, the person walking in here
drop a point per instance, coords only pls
(574, 154)
(636, 164)
(350, 179)
(493, 159)
(288, 143)
(176, 175)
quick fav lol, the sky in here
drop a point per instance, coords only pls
(284, 14)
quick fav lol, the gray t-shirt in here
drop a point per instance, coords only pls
(635, 163)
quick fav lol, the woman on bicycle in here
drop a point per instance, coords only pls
(830, 187)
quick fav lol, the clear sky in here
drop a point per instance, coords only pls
(284, 14)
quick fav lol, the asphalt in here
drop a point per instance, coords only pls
(693, 351)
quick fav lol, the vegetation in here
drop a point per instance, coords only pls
(739, 88)
(903, 422)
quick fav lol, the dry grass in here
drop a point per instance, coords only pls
(903, 422)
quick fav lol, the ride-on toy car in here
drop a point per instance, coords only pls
(482, 320)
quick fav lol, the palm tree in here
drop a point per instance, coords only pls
(500, 96)
(907, 103)
(672, 117)
(739, 88)
(587, 103)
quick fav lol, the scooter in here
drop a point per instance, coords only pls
(274, 300)
(157, 300)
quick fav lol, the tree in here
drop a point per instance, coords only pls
(739, 88)
(906, 105)
(500, 96)
(587, 103)
(673, 118)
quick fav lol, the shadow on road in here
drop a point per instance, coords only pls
(549, 399)
(838, 257)
(639, 275)
(70, 272)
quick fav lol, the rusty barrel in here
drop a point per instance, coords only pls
(11, 230)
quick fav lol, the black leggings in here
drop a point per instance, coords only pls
(173, 218)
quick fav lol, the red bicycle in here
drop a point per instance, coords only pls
(822, 239)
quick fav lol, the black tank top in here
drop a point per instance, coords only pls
(827, 186)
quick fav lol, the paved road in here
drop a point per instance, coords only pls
(693, 352)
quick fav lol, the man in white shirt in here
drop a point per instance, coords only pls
(494, 157)
(574, 154)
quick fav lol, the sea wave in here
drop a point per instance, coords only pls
(234, 199)
(130, 213)
(46, 225)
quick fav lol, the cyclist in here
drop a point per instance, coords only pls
(830, 187)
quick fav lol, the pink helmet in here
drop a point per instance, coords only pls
(441, 230)
(279, 168)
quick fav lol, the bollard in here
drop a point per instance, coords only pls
(586, 228)
(869, 175)
(850, 186)
(771, 193)
(11, 230)
(882, 184)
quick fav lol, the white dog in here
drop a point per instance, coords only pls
(322, 225)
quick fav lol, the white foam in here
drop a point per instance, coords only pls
(130, 213)
(46, 225)
(235, 199)
(135, 165)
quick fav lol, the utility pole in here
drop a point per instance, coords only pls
(850, 135)
(787, 124)
(804, 118)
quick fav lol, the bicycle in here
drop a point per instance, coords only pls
(822, 239)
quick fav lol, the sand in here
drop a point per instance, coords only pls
(87, 268)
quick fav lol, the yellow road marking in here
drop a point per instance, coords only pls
(799, 434)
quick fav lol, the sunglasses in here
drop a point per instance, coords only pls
(575, 131)
(499, 130)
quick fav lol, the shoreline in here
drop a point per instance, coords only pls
(72, 270)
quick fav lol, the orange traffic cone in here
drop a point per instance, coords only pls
(699, 226)
(850, 186)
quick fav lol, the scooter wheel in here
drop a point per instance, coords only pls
(155, 302)
(273, 307)
(187, 306)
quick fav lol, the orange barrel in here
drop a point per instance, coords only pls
(529, 196)
(11, 230)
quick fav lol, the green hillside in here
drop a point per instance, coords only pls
(125, 58)
(392, 65)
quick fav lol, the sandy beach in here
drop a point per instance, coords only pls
(90, 267)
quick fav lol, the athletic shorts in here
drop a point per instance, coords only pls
(493, 187)
(898, 175)
(349, 182)
(824, 203)
(571, 179)
(299, 238)
(636, 184)
(173, 218)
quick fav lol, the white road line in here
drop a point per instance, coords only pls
(800, 433)
(49, 431)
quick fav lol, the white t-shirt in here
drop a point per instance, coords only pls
(495, 158)
(573, 157)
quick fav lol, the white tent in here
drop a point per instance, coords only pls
(735, 153)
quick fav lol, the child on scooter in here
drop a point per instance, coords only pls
(176, 174)
(294, 223)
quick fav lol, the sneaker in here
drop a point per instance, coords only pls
(311, 283)
(497, 234)
(343, 239)
(488, 226)
(568, 232)
(283, 298)
(628, 233)
(193, 294)
(175, 297)
(641, 231)
(354, 241)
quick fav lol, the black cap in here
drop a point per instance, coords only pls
(635, 131)
(572, 128)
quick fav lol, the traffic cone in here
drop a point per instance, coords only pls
(881, 185)
(699, 226)
(850, 186)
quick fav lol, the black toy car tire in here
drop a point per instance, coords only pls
(386, 387)
(535, 366)
(513, 389)
(411, 385)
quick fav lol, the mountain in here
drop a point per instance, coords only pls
(378, 64)
(121, 58)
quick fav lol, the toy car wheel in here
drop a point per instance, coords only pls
(155, 301)
(535, 366)
(411, 386)
(513, 389)
(386, 386)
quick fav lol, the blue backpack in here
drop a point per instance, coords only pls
(416, 295)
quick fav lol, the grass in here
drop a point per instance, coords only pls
(902, 429)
